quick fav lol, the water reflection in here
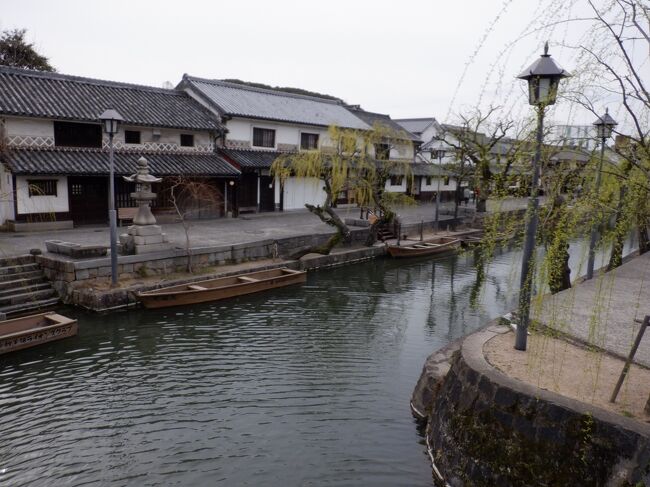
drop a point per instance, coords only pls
(300, 386)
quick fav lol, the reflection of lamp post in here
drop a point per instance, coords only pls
(111, 119)
(441, 154)
(604, 127)
(543, 77)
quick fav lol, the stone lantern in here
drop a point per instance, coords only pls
(144, 235)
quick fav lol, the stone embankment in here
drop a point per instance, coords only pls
(73, 278)
(485, 428)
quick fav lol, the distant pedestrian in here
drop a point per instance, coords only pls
(474, 196)
(466, 195)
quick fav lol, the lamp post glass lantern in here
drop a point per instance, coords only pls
(604, 128)
(543, 77)
(605, 125)
(111, 120)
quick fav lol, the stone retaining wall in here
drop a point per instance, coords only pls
(63, 271)
(114, 299)
(486, 429)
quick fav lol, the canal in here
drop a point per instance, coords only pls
(300, 386)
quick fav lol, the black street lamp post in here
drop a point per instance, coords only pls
(543, 77)
(111, 120)
(604, 127)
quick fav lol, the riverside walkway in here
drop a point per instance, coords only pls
(221, 231)
(245, 229)
(602, 311)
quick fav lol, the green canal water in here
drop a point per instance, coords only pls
(299, 386)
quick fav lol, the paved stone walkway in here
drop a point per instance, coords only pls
(602, 311)
(221, 231)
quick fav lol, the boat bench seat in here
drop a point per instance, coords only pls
(195, 287)
(248, 279)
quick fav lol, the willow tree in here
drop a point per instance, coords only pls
(613, 56)
(348, 163)
(370, 175)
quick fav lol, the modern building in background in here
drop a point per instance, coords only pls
(574, 136)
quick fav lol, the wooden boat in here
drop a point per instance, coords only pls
(434, 246)
(220, 288)
(33, 330)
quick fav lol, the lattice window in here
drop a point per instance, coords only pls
(76, 189)
(263, 137)
(42, 187)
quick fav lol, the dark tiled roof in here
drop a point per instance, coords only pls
(384, 120)
(415, 125)
(246, 101)
(420, 169)
(428, 169)
(52, 95)
(87, 162)
(251, 159)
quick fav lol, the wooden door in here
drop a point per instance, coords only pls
(88, 199)
(267, 193)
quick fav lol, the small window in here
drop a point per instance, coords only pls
(131, 136)
(428, 180)
(41, 187)
(308, 141)
(76, 189)
(382, 152)
(72, 134)
(396, 180)
(263, 137)
(187, 140)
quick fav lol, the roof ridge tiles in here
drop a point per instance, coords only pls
(267, 91)
(414, 119)
(81, 79)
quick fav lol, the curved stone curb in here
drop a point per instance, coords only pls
(485, 429)
(472, 351)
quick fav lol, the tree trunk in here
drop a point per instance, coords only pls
(457, 197)
(560, 276)
(387, 217)
(616, 257)
(329, 216)
(324, 249)
(644, 242)
(189, 250)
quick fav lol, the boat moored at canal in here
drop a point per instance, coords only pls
(33, 330)
(440, 245)
(221, 288)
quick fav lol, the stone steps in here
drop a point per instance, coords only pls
(9, 280)
(11, 270)
(24, 288)
(18, 260)
(19, 297)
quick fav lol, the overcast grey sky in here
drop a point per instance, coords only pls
(402, 57)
